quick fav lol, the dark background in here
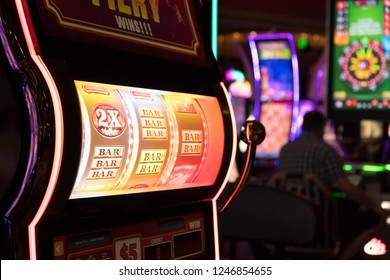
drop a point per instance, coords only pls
(289, 15)
(303, 18)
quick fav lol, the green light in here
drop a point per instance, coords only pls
(387, 167)
(302, 43)
(214, 28)
(374, 168)
(347, 167)
(339, 195)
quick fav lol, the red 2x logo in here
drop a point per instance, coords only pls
(108, 120)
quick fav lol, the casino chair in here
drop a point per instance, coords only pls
(309, 187)
(282, 220)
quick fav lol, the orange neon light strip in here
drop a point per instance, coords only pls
(59, 141)
(232, 160)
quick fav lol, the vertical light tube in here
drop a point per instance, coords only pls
(59, 130)
(214, 27)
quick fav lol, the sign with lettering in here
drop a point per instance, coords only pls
(153, 123)
(151, 161)
(128, 249)
(165, 25)
(108, 120)
(106, 162)
(192, 142)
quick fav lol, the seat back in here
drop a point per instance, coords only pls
(270, 215)
(308, 186)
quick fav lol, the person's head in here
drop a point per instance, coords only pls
(314, 122)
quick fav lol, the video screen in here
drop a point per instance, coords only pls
(276, 74)
(359, 59)
(276, 118)
(142, 140)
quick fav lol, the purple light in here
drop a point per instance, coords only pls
(253, 40)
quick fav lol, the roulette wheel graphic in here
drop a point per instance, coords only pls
(363, 66)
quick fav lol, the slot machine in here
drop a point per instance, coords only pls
(125, 135)
(276, 91)
(358, 60)
(358, 96)
(358, 56)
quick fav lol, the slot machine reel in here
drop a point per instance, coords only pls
(252, 133)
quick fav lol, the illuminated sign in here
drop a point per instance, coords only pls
(274, 50)
(162, 24)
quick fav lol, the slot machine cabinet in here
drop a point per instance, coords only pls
(276, 90)
(357, 86)
(131, 134)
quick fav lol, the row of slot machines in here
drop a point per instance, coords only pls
(349, 83)
(340, 84)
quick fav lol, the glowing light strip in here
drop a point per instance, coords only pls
(232, 160)
(373, 168)
(216, 233)
(368, 168)
(58, 141)
(214, 28)
(257, 76)
(318, 83)
(295, 73)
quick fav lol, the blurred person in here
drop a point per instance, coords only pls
(310, 154)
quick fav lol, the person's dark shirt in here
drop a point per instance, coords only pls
(308, 154)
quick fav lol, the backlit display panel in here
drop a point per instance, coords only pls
(141, 140)
(359, 59)
(276, 89)
(277, 119)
